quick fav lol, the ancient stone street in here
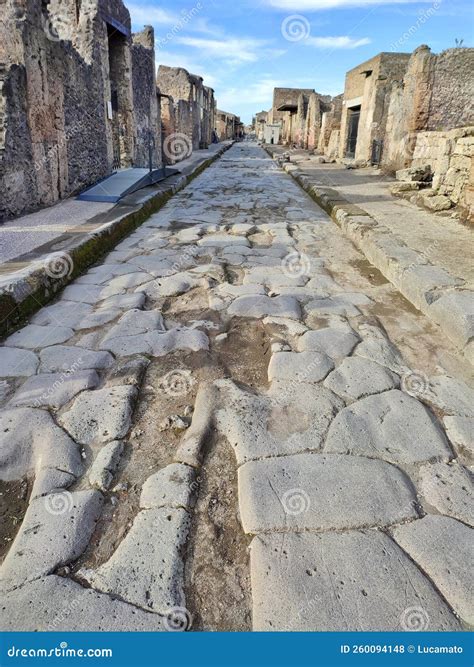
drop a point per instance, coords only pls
(234, 422)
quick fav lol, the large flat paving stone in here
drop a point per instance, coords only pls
(55, 604)
(450, 396)
(262, 306)
(34, 336)
(449, 488)
(299, 366)
(331, 306)
(62, 313)
(31, 443)
(156, 343)
(147, 569)
(55, 531)
(339, 582)
(53, 389)
(101, 415)
(59, 358)
(322, 492)
(356, 377)
(336, 343)
(172, 486)
(375, 346)
(443, 548)
(290, 418)
(105, 464)
(460, 431)
(16, 362)
(391, 426)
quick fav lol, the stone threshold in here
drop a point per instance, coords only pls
(28, 283)
(430, 288)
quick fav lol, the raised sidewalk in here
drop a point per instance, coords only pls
(428, 257)
(60, 242)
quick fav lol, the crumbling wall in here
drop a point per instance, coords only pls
(146, 110)
(450, 156)
(330, 128)
(57, 64)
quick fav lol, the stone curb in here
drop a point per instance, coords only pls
(24, 292)
(432, 290)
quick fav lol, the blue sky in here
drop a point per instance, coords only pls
(244, 48)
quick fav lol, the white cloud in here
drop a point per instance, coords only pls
(150, 15)
(258, 93)
(318, 5)
(343, 42)
(231, 49)
(181, 60)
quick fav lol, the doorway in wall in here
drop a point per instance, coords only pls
(353, 129)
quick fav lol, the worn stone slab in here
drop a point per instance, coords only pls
(55, 531)
(339, 582)
(147, 569)
(223, 240)
(376, 347)
(124, 301)
(262, 306)
(56, 604)
(391, 426)
(130, 370)
(286, 420)
(449, 488)
(34, 336)
(16, 362)
(331, 306)
(356, 377)
(419, 280)
(336, 343)
(171, 486)
(101, 415)
(299, 366)
(63, 312)
(322, 492)
(98, 318)
(450, 396)
(59, 358)
(105, 464)
(454, 312)
(157, 343)
(31, 443)
(460, 431)
(53, 389)
(442, 547)
(89, 294)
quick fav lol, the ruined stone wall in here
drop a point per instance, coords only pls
(330, 125)
(436, 94)
(146, 109)
(451, 158)
(227, 125)
(58, 61)
(194, 104)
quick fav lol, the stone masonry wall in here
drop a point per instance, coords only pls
(58, 60)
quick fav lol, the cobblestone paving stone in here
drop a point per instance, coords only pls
(353, 463)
